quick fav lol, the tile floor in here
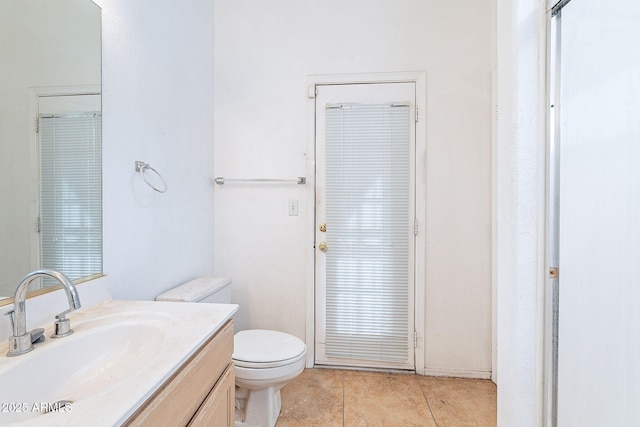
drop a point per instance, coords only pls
(326, 397)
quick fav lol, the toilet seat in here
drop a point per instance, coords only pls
(261, 349)
(266, 365)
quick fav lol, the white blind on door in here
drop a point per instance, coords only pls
(367, 214)
(71, 193)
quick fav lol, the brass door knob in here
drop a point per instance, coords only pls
(322, 246)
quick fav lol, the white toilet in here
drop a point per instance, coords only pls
(264, 360)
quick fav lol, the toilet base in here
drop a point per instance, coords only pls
(257, 408)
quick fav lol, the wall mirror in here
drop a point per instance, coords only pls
(50, 141)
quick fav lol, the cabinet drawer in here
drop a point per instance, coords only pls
(179, 398)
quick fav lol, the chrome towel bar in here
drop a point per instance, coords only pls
(299, 180)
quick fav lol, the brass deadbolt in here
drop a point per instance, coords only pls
(323, 228)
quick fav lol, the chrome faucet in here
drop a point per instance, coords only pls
(21, 341)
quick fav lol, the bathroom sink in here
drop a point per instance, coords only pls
(119, 354)
(98, 356)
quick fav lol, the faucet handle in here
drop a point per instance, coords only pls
(62, 315)
(12, 318)
(62, 326)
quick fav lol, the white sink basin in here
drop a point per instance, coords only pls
(119, 354)
(98, 356)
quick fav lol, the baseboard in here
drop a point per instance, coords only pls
(454, 373)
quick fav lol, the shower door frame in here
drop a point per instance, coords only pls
(551, 293)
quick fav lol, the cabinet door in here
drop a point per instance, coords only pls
(218, 409)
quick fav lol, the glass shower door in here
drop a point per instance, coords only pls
(597, 119)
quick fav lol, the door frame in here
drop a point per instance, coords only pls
(419, 78)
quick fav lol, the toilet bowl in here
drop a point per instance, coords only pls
(264, 360)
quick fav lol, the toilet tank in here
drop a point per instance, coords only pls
(203, 289)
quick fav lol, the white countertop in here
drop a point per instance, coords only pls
(106, 394)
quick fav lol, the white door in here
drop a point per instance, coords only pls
(365, 213)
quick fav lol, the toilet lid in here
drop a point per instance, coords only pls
(263, 346)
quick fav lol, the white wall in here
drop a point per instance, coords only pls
(519, 217)
(158, 108)
(264, 51)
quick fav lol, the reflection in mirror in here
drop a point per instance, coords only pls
(50, 140)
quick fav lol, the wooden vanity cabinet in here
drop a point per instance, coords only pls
(200, 393)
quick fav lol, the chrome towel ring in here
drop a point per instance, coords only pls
(142, 167)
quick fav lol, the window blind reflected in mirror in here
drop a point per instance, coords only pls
(71, 194)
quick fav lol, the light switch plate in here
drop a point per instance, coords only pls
(293, 207)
